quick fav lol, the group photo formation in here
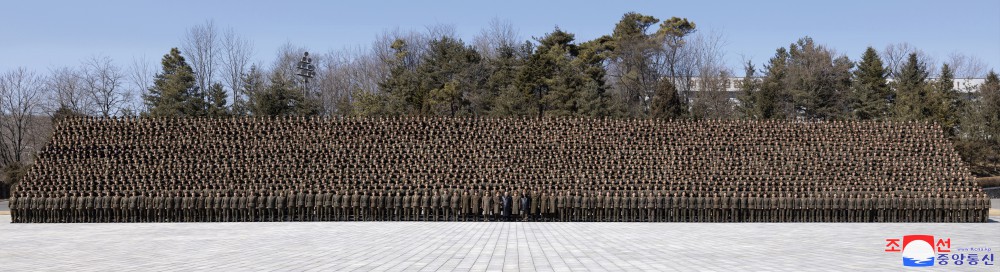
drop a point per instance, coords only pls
(552, 130)
(512, 135)
(495, 169)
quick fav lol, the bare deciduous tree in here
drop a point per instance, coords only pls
(287, 59)
(704, 56)
(416, 44)
(102, 82)
(965, 66)
(66, 90)
(141, 74)
(20, 104)
(894, 56)
(438, 31)
(344, 73)
(200, 45)
(498, 34)
(695, 65)
(237, 52)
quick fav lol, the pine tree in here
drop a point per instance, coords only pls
(251, 83)
(448, 62)
(446, 100)
(282, 98)
(562, 87)
(989, 94)
(978, 143)
(666, 102)
(545, 75)
(944, 102)
(871, 96)
(171, 94)
(400, 90)
(216, 106)
(504, 98)
(817, 81)
(632, 49)
(592, 98)
(748, 95)
(773, 100)
(911, 91)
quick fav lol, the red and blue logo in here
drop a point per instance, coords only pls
(918, 250)
(924, 250)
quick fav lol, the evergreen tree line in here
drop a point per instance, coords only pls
(646, 68)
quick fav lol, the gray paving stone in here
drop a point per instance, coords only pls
(420, 246)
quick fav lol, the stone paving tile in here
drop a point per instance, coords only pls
(473, 246)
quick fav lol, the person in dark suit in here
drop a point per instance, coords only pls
(525, 206)
(506, 202)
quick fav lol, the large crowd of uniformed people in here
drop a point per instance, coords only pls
(495, 169)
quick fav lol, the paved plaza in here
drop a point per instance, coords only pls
(429, 246)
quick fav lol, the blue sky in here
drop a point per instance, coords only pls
(41, 34)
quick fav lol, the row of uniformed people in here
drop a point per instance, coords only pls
(465, 205)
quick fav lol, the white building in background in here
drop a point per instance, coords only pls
(964, 85)
(732, 86)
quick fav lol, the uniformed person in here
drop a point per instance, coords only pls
(616, 208)
(89, 211)
(100, 210)
(397, 206)
(487, 203)
(261, 206)
(635, 207)
(466, 206)
(116, 207)
(407, 207)
(654, 206)
(354, 212)
(576, 203)
(446, 205)
(415, 205)
(553, 207)
(270, 205)
(425, 206)
(683, 208)
(132, 207)
(535, 203)
(456, 206)
(728, 202)
(253, 207)
(336, 207)
(868, 208)
(497, 205)
(603, 201)
(475, 202)
(279, 206)
(376, 206)
(170, 207)
(546, 205)
(14, 207)
(228, 203)
(300, 205)
(435, 206)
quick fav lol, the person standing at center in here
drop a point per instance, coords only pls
(507, 203)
